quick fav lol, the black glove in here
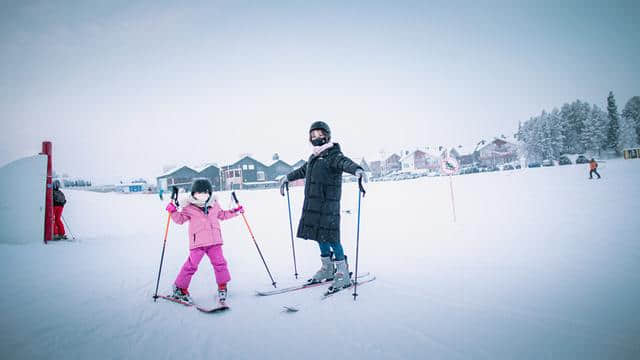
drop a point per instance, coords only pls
(360, 174)
(283, 182)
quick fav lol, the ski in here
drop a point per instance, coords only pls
(219, 308)
(298, 287)
(172, 299)
(360, 282)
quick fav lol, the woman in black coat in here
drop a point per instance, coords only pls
(320, 219)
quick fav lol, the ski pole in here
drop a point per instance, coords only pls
(361, 193)
(174, 198)
(293, 246)
(235, 198)
(68, 228)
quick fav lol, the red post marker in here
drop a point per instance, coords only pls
(47, 149)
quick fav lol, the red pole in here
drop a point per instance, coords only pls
(47, 149)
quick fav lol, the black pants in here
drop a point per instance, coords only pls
(594, 171)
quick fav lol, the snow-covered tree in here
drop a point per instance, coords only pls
(614, 123)
(631, 112)
(594, 134)
(627, 137)
(556, 137)
(572, 119)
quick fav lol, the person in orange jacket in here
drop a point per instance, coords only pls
(593, 166)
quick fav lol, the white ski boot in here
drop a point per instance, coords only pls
(342, 277)
(326, 271)
(222, 296)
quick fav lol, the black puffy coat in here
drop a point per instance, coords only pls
(320, 219)
(58, 198)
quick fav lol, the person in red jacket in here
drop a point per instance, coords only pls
(58, 205)
(593, 166)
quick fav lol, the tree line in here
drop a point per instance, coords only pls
(580, 127)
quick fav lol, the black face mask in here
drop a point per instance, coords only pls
(319, 141)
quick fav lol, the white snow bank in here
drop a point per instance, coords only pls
(22, 199)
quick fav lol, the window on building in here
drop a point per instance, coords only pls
(260, 176)
(251, 167)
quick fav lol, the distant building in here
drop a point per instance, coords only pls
(180, 177)
(392, 163)
(432, 157)
(277, 169)
(246, 170)
(131, 187)
(414, 160)
(465, 156)
(211, 172)
(497, 152)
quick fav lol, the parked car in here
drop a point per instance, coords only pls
(533, 164)
(507, 167)
(518, 166)
(582, 160)
(547, 162)
(564, 160)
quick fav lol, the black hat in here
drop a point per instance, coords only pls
(321, 125)
(201, 185)
(56, 184)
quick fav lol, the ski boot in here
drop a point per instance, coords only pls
(222, 295)
(181, 294)
(342, 279)
(325, 273)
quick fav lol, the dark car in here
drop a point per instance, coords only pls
(547, 162)
(564, 160)
(518, 166)
(582, 160)
(507, 167)
(533, 164)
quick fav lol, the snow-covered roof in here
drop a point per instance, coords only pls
(463, 149)
(433, 151)
(205, 166)
(171, 171)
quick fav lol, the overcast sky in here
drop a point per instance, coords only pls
(123, 88)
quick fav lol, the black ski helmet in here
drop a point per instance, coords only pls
(321, 125)
(201, 185)
(56, 184)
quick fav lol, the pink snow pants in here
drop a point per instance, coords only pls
(214, 252)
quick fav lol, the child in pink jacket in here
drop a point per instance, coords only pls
(203, 214)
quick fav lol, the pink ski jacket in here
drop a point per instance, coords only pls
(204, 229)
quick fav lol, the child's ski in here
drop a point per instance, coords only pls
(176, 300)
(298, 287)
(360, 282)
(219, 308)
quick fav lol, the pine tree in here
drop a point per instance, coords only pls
(614, 123)
(627, 137)
(556, 138)
(594, 135)
(631, 112)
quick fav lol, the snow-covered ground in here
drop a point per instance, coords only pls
(541, 264)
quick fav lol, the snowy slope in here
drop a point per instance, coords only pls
(542, 263)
